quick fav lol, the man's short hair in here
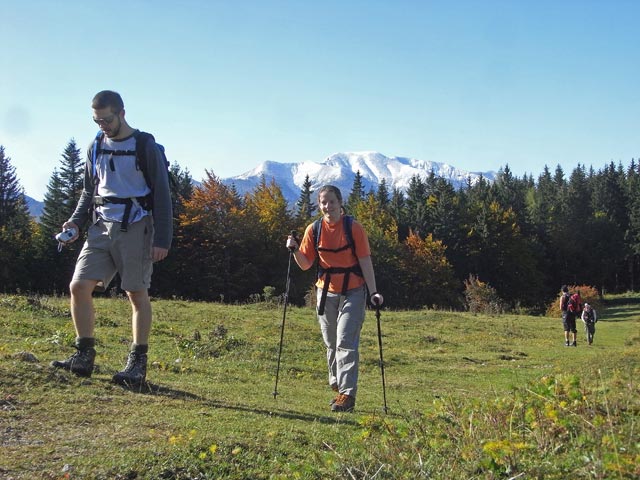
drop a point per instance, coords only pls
(108, 98)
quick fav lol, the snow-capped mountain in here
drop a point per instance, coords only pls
(340, 169)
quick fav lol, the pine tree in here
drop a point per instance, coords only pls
(633, 234)
(60, 200)
(16, 230)
(382, 195)
(183, 188)
(12, 201)
(416, 201)
(398, 209)
(305, 208)
(357, 192)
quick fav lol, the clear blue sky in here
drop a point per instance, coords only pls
(225, 85)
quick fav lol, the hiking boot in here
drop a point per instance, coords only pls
(335, 388)
(135, 372)
(567, 344)
(574, 344)
(80, 363)
(344, 403)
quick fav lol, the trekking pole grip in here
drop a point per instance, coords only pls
(295, 237)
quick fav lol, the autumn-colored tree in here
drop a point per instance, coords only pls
(427, 278)
(211, 244)
(382, 232)
(271, 222)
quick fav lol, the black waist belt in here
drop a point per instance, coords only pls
(327, 279)
(128, 204)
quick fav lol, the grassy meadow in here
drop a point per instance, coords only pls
(468, 396)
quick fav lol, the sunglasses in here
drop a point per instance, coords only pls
(105, 121)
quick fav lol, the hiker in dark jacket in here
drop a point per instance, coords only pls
(345, 273)
(589, 317)
(131, 228)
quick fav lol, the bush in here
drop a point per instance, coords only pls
(589, 295)
(481, 297)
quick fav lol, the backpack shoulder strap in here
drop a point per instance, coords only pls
(141, 155)
(94, 154)
(317, 230)
(348, 231)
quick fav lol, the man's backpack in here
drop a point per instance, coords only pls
(326, 272)
(142, 163)
(141, 158)
(141, 143)
(574, 305)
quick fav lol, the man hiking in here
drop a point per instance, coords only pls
(131, 228)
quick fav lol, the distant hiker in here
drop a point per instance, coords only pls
(126, 190)
(568, 318)
(590, 318)
(345, 272)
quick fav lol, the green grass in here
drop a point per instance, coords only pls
(469, 397)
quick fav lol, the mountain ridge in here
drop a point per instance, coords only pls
(340, 169)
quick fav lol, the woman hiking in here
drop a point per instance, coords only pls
(345, 272)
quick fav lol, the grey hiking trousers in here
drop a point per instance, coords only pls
(341, 325)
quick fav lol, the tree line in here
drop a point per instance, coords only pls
(522, 236)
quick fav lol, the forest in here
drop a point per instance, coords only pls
(522, 238)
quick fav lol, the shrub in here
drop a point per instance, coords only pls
(480, 297)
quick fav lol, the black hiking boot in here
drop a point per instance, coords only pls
(135, 372)
(80, 363)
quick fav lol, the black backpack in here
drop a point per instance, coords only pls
(348, 231)
(141, 158)
(326, 272)
(142, 164)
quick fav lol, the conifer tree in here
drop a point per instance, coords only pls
(16, 229)
(633, 234)
(382, 195)
(60, 200)
(305, 208)
(416, 199)
(357, 192)
(398, 209)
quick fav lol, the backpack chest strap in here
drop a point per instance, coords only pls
(326, 272)
(334, 250)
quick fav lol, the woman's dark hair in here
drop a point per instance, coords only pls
(331, 188)
(108, 98)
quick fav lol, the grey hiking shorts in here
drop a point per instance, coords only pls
(108, 251)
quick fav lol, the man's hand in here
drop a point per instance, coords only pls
(158, 254)
(68, 225)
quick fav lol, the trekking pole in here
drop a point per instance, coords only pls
(284, 315)
(384, 388)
